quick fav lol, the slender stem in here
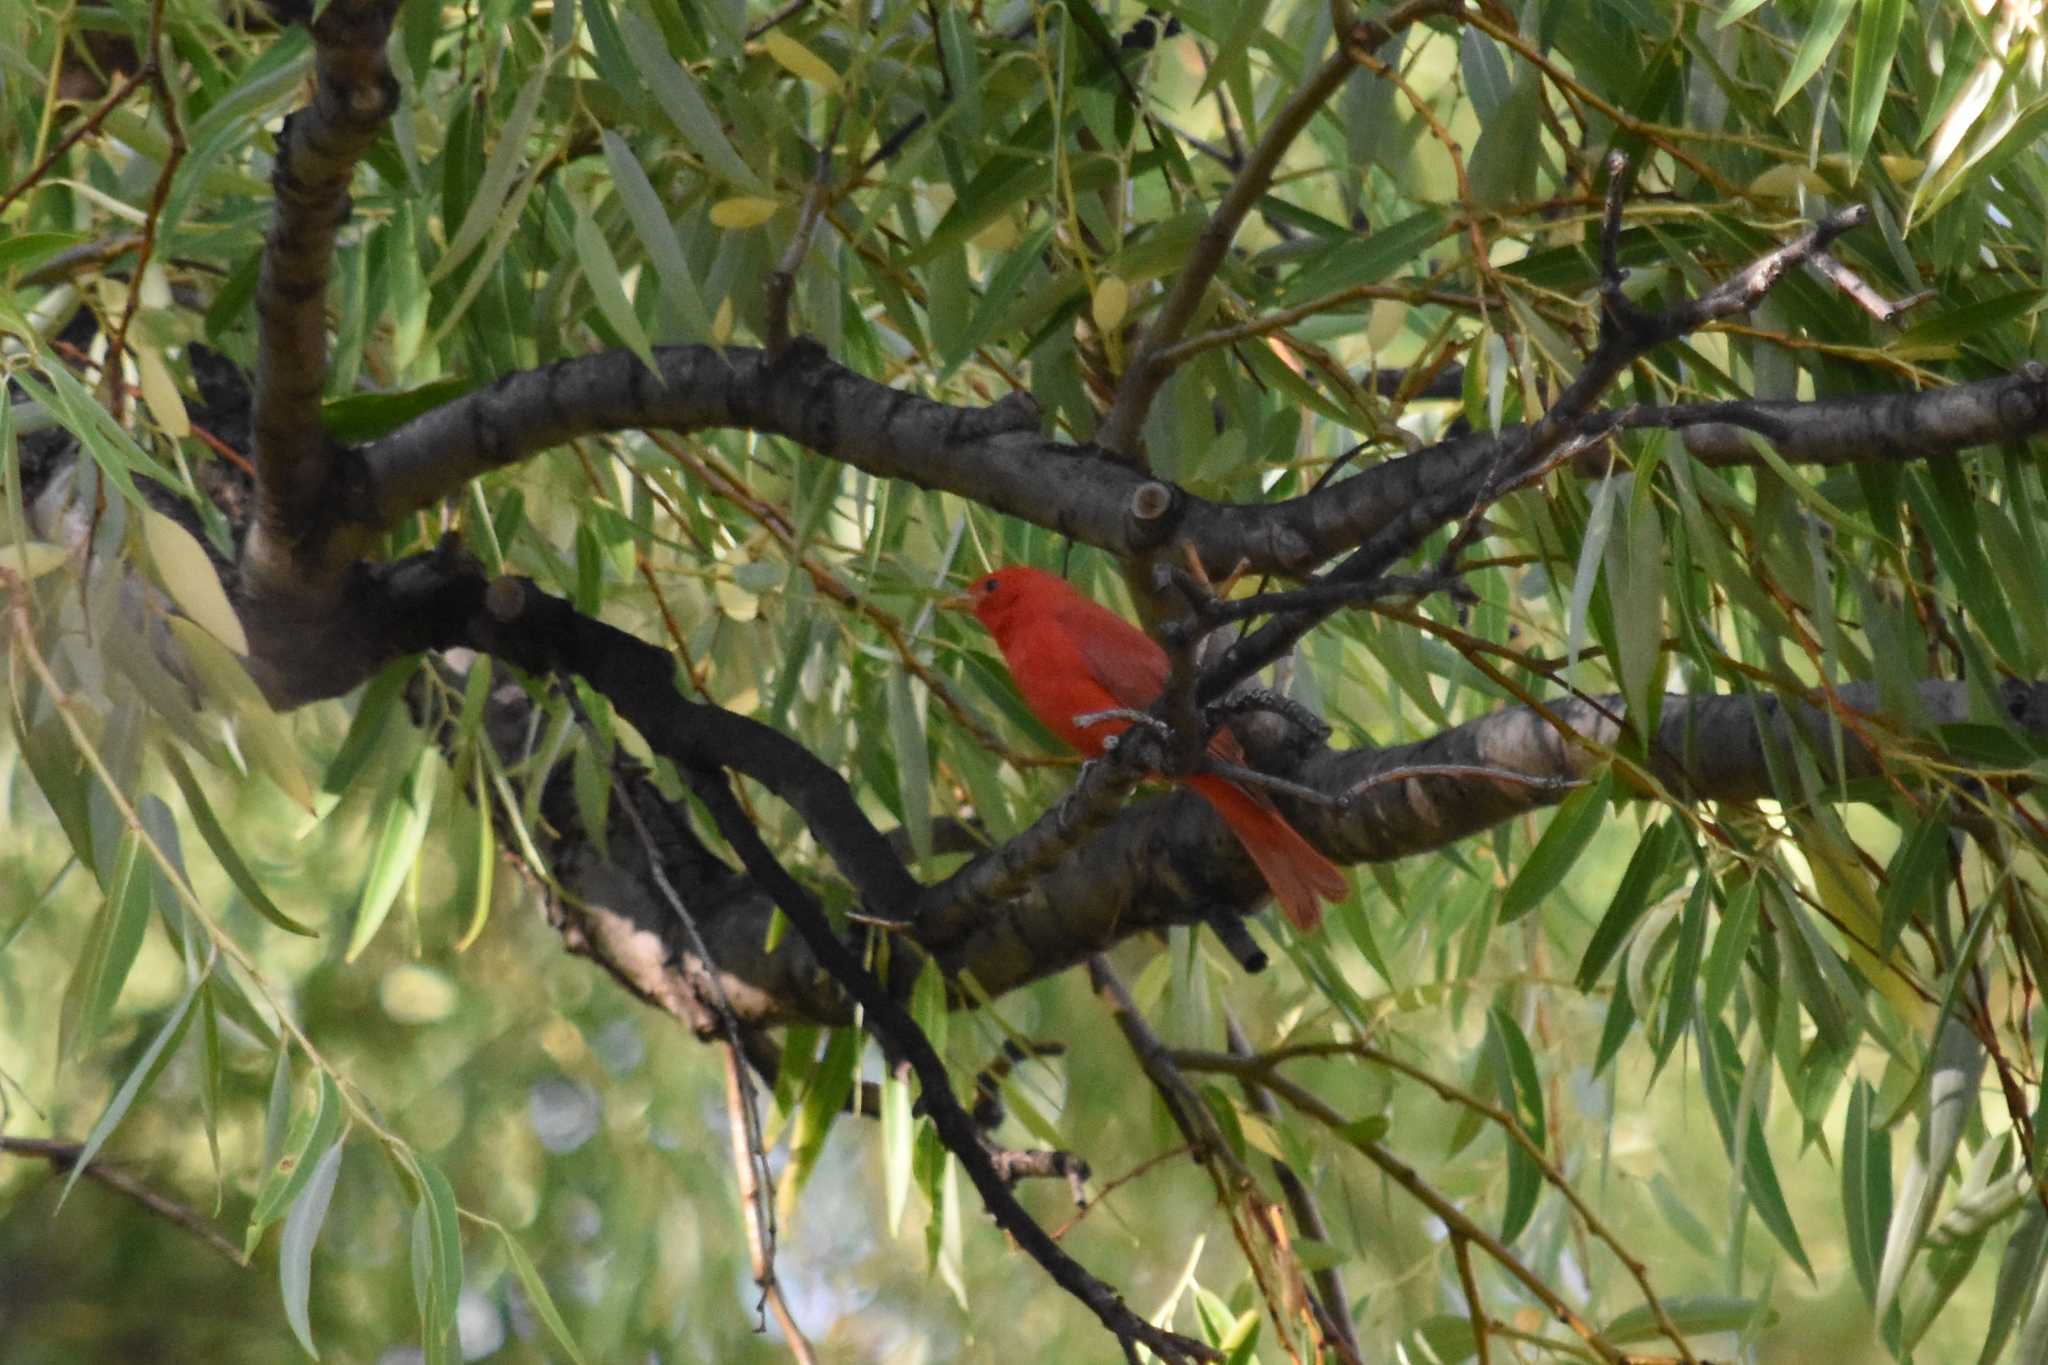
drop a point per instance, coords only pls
(1150, 367)
(1335, 1305)
(1262, 1066)
(64, 1155)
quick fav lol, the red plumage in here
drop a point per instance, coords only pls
(1070, 656)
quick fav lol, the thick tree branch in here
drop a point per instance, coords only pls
(996, 456)
(1155, 863)
(317, 150)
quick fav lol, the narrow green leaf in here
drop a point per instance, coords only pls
(295, 1248)
(358, 417)
(1870, 66)
(1522, 1088)
(1648, 867)
(1570, 829)
(366, 727)
(1694, 1316)
(1956, 1067)
(224, 851)
(1721, 1071)
(676, 91)
(1916, 877)
(913, 757)
(398, 846)
(832, 1082)
(2019, 1278)
(110, 951)
(1731, 944)
(139, 1078)
(537, 1296)
(444, 1258)
(1866, 1186)
(1681, 986)
(601, 272)
(483, 859)
(898, 1137)
(657, 234)
(1366, 260)
(315, 1127)
(1822, 31)
(486, 206)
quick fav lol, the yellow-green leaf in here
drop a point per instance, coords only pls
(188, 575)
(793, 57)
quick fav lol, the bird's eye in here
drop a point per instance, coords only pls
(988, 585)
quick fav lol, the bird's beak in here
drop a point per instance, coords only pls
(957, 602)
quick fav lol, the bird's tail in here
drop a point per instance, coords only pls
(1298, 875)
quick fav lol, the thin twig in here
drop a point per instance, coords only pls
(1626, 333)
(1334, 1304)
(900, 1033)
(1413, 770)
(750, 1155)
(117, 340)
(91, 123)
(64, 1155)
(749, 1163)
(1482, 1349)
(1236, 1190)
(1401, 1173)
(787, 12)
(1148, 370)
(782, 280)
(1263, 1066)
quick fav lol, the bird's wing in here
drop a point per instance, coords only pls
(1125, 660)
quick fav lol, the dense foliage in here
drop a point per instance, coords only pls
(1687, 1000)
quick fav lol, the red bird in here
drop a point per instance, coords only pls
(1070, 657)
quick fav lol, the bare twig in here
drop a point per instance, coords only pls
(779, 17)
(1250, 1214)
(64, 1155)
(84, 128)
(749, 1153)
(174, 127)
(1626, 333)
(757, 1206)
(1404, 1175)
(1482, 1325)
(1408, 771)
(782, 280)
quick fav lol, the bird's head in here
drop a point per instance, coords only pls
(998, 596)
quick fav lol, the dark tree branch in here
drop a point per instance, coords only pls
(898, 1032)
(1626, 333)
(317, 150)
(1145, 866)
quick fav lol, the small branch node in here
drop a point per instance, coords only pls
(504, 599)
